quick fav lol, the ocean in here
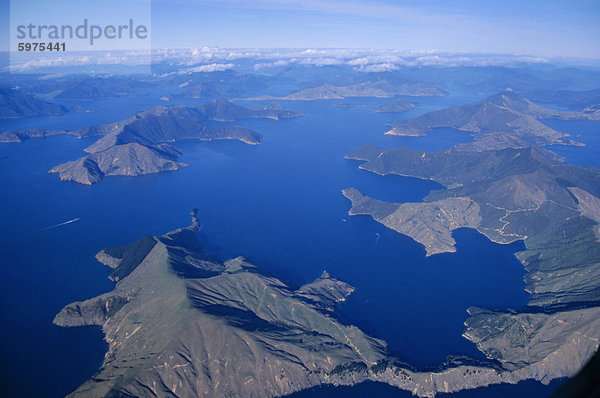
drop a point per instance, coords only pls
(279, 204)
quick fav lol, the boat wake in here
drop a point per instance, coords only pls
(53, 226)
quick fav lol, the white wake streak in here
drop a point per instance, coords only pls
(54, 226)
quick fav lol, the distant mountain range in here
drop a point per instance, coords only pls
(16, 104)
(587, 101)
(217, 84)
(380, 88)
(85, 88)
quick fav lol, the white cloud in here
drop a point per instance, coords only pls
(30, 63)
(267, 65)
(211, 59)
(385, 67)
(207, 68)
(270, 58)
(322, 61)
(376, 59)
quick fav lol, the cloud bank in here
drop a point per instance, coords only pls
(212, 59)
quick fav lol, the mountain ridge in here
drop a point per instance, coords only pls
(16, 104)
(138, 145)
(504, 112)
(180, 322)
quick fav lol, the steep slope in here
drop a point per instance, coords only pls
(396, 106)
(222, 110)
(381, 88)
(164, 124)
(181, 323)
(512, 194)
(517, 194)
(22, 135)
(15, 104)
(430, 224)
(125, 160)
(137, 145)
(505, 112)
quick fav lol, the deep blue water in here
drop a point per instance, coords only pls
(278, 204)
(586, 131)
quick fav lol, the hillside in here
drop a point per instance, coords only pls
(16, 104)
(505, 112)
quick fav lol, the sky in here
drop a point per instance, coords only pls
(548, 28)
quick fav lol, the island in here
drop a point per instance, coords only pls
(139, 144)
(398, 105)
(222, 110)
(380, 88)
(505, 112)
(228, 83)
(130, 159)
(181, 322)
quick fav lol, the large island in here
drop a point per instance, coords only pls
(140, 144)
(382, 88)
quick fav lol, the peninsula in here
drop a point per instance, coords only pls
(509, 192)
(507, 195)
(180, 323)
(505, 112)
